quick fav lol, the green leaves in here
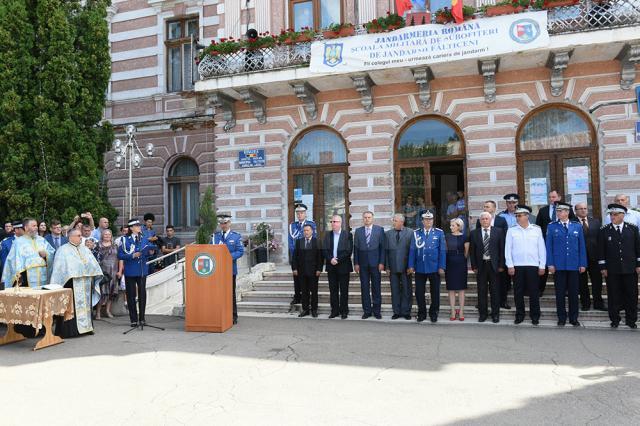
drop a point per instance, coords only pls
(56, 67)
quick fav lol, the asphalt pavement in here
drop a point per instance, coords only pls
(281, 371)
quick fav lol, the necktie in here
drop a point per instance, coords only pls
(223, 238)
(397, 236)
(485, 243)
(619, 229)
(137, 239)
(57, 243)
(585, 225)
(565, 226)
(553, 212)
(367, 235)
(306, 244)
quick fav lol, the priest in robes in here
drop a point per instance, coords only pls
(29, 260)
(76, 268)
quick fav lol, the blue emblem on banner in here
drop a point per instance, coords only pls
(524, 31)
(332, 54)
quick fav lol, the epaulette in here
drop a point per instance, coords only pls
(604, 226)
(631, 225)
(4, 239)
(438, 229)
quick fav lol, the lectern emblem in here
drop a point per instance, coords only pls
(204, 265)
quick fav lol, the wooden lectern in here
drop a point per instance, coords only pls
(208, 288)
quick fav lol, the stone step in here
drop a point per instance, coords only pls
(356, 297)
(355, 285)
(471, 314)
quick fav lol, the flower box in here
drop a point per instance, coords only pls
(330, 34)
(505, 9)
(559, 3)
(347, 31)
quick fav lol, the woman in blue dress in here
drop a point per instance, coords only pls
(456, 272)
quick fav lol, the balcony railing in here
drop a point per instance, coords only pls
(588, 15)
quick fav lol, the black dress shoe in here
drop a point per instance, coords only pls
(600, 308)
(535, 322)
(365, 316)
(407, 317)
(235, 321)
(344, 316)
(134, 324)
(421, 318)
(395, 316)
(585, 308)
(633, 325)
(505, 306)
(614, 324)
(575, 323)
(303, 314)
(495, 320)
(314, 314)
(377, 316)
(518, 320)
(482, 319)
(561, 323)
(333, 315)
(434, 319)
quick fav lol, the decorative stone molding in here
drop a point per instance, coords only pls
(423, 77)
(225, 106)
(558, 62)
(629, 56)
(256, 101)
(363, 85)
(307, 94)
(488, 69)
(111, 12)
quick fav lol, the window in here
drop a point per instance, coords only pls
(184, 197)
(429, 137)
(182, 70)
(318, 176)
(557, 151)
(314, 13)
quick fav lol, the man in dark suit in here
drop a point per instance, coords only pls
(498, 221)
(396, 246)
(487, 261)
(619, 260)
(546, 215)
(307, 265)
(368, 259)
(590, 229)
(337, 247)
(55, 238)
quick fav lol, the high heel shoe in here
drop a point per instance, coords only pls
(453, 315)
(460, 317)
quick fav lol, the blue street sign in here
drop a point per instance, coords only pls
(251, 158)
(637, 131)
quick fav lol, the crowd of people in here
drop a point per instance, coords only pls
(87, 259)
(506, 250)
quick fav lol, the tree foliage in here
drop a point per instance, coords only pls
(208, 218)
(53, 79)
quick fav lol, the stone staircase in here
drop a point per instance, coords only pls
(273, 294)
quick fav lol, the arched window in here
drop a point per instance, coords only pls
(184, 196)
(557, 150)
(429, 170)
(318, 176)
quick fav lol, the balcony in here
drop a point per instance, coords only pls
(587, 15)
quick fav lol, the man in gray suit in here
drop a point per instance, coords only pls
(396, 246)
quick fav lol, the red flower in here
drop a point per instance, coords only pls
(222, 40)
(388, 12)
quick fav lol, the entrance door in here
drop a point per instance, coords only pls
(569, 173)
(323, 191)
(429, 184)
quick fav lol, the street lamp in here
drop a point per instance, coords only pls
(130, 153)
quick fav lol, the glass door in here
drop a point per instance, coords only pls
(537, 183)
(335, 200)
(415, 193)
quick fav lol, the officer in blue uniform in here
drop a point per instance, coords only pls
(295, 233)
(233, 241)
(566, 259)
(427, 259)
(7, 243)
(134, 252)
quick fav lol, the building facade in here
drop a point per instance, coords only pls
(397, 139)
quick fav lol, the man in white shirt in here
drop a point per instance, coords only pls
(631, 216)
(526, 258)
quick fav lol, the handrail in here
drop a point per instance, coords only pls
(173, 253)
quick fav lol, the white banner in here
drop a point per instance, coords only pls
(431, 44)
